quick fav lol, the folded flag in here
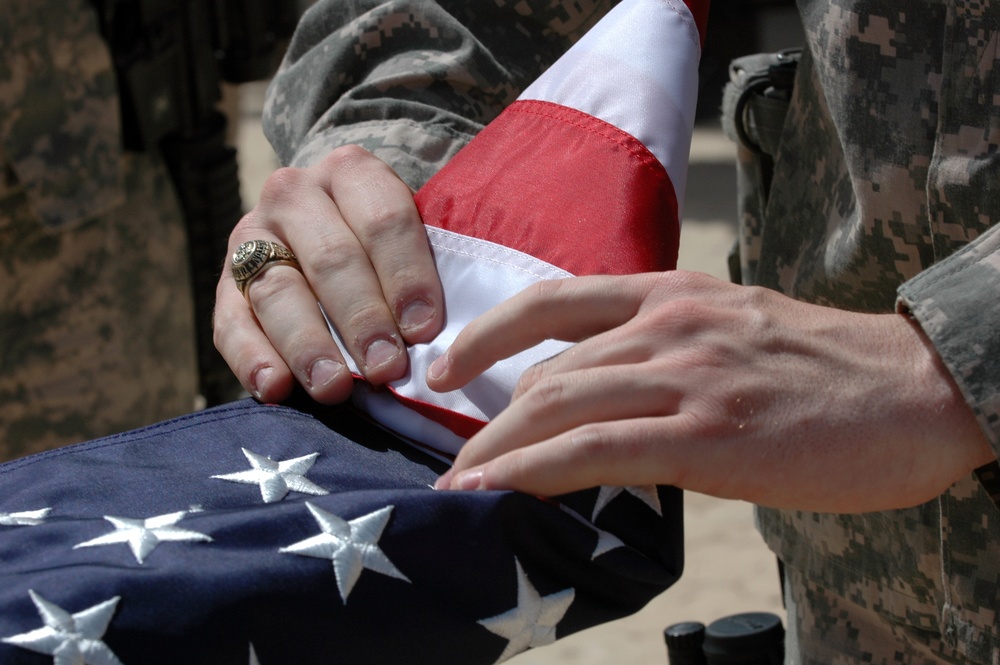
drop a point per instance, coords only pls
(583, 174)
(261, 534)
(258, 534)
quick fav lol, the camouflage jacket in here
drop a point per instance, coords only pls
(896, 116)
(886, 193)
(96, 313)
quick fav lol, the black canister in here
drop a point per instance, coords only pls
(751, 638)
(684, 642)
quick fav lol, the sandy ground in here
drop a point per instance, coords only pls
(728, 569)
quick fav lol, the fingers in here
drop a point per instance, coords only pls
(364, 257)
(238, 337)
(291, 319)
(341, 277)
(565, 401)
(368, 261)
(608, 453)
(276, 336)
(393, 237)
(568, 310)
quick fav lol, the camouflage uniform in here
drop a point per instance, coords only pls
(886, 193)
(412, 81)
(884, 196)
(96, 322)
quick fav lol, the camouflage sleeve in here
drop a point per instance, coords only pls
(412, 80)
(957, 303)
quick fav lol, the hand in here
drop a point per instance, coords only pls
(737, 392)
(356, 232)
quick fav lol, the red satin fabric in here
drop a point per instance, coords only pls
(563, 186)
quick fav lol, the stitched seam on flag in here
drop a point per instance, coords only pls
(631, 144)
(152, 430)
(479, 257)
(497, 249)
(688, 17)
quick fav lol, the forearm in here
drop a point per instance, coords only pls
(410, 80)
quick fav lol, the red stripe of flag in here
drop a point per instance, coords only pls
(589, 198)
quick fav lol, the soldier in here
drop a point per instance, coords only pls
(855, 398)
(96, 321)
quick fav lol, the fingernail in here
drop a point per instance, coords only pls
(444, 482)
(323, 371)
(259, 380)
(470, 480)
(439, 366)
(380, 352)
(415, 314)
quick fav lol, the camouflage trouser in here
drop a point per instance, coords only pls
(96, 321)
(825, 628)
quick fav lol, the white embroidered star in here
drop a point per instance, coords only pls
(24, 518)
(646, 494)
(605, 541)
(351, 545)
(74, 639)
(533, 622)
(276, 479)
(143, 535)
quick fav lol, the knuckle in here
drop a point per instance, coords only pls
(510, 471)
(271, 284)
(247, 228)
(220, 326)
(547, 394)
(406, 282)
(345, 158)
(299, 348)
(226, 318)
(682, 281)
(363, 318)
(335, 255)
(674, 319)
(684, 311)
(386, 219)
(349, 153)
(281, 185)
(590, 441)
(547, 289)
(760, 322)
(534, 301)
(528, 378)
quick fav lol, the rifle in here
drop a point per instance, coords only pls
(171, 57)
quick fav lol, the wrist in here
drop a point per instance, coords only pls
(940, 404)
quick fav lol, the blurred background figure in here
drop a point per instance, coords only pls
(117, 194)
(737, 28)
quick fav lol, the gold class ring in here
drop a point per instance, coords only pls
(253, 257)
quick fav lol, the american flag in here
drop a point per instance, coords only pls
(304, 534)
(583, 174)
(262, 534)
